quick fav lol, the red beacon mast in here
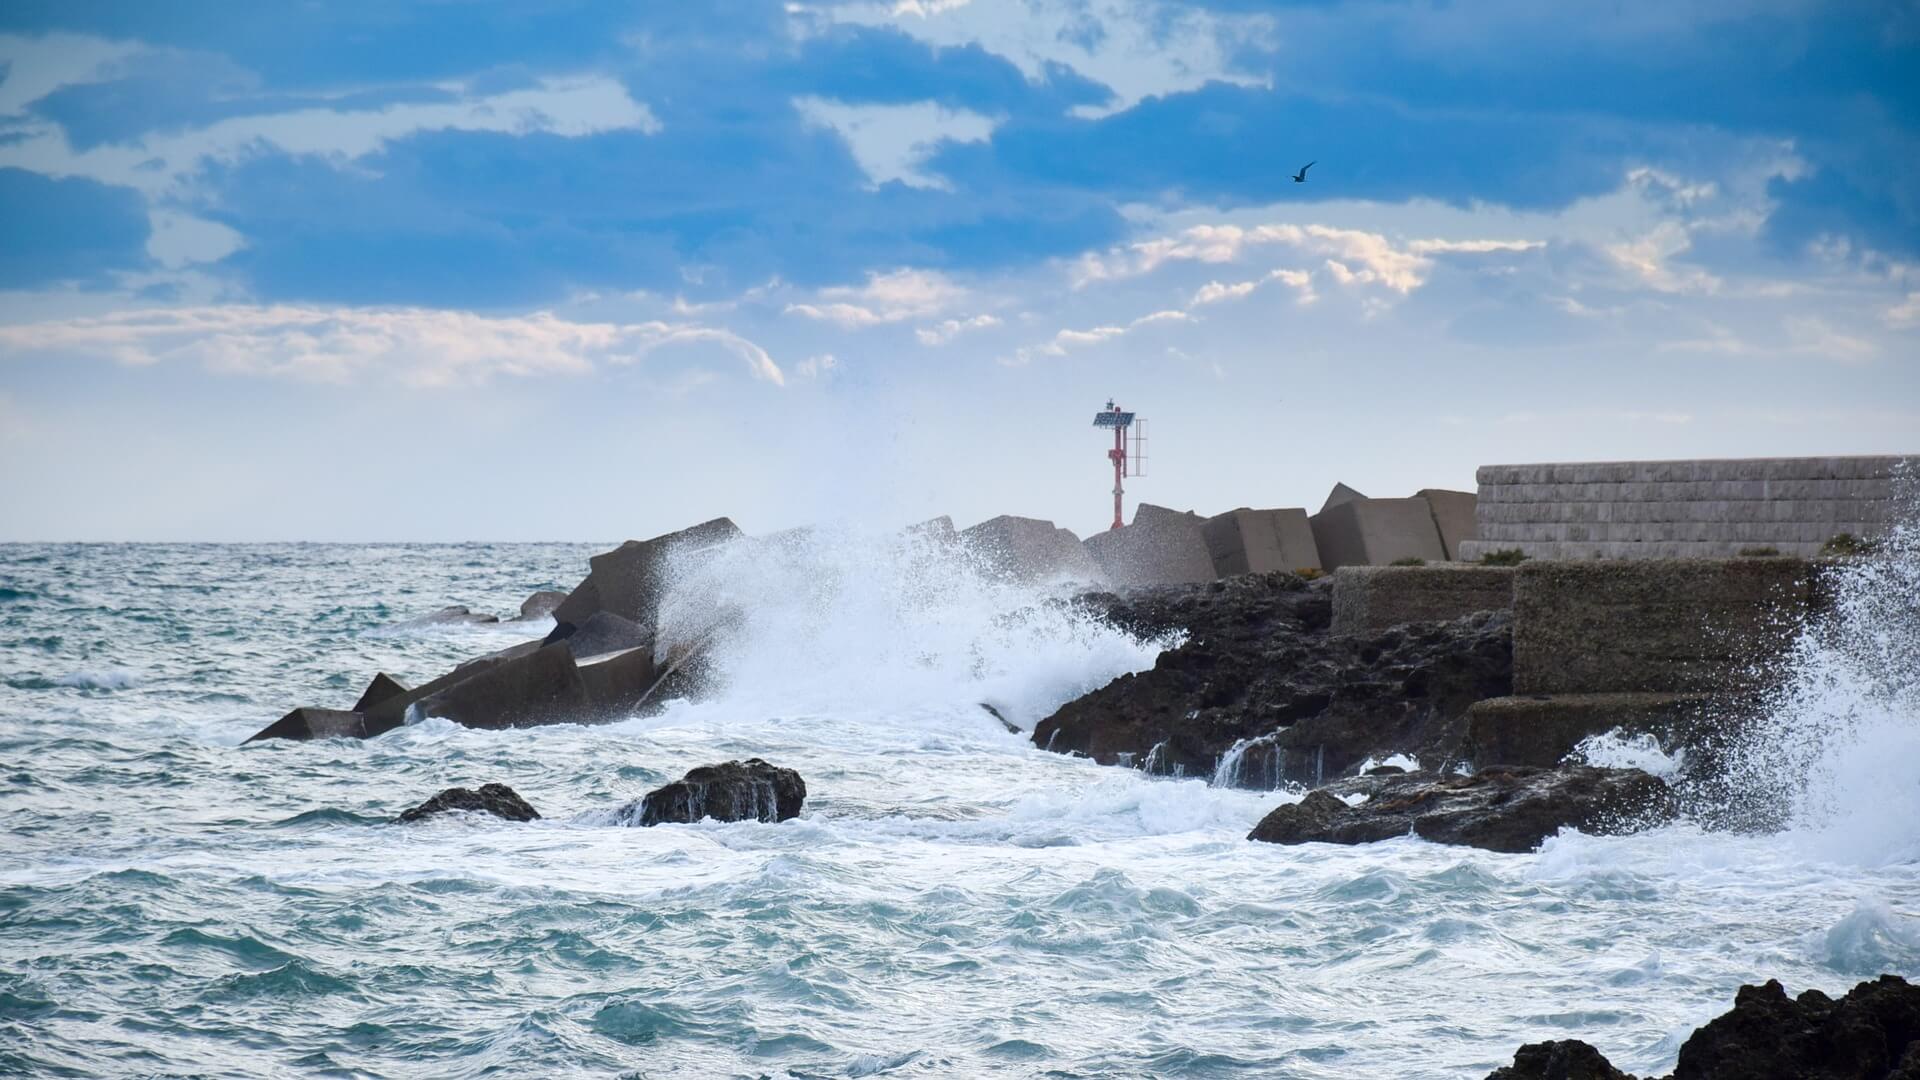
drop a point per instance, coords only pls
(1125, 463)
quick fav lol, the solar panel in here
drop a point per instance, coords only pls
(1109, 418)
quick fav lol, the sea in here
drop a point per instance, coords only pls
(952, 902)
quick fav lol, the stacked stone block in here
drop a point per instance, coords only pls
(1668, 509)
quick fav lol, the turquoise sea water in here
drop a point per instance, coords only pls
(952, 902)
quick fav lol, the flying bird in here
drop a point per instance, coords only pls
(1301, 176)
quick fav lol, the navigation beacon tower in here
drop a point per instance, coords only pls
(1126, 462)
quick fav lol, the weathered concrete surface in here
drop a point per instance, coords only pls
(1161, 547)
(1541, 730)
(1375, 532)
(1246, 541)
(1030, 550)
(628, 581)
(1368, 599)
(384, 687)
(542, 687)
(619, 683)
(305, 723)
(1341, 493)
(1453, 515)
(605, 632)
(1656, 625)
(1666, 509)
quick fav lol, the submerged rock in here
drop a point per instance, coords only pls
(1498, 809)
(1561, 1059)
(1872, 1033)
(750, 790)
(540, 605)
(458, 615)
(497, 799)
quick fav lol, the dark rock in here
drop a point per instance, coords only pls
(541, 687)
(749, 790)
(1260, 672)
(452, 616)
(540, 605)
(1562, 1059)
(383, 688)
(1872, 1033)
(1498, 809)
(306, 723)
(497, 799)
(629, 580)
(997, 715)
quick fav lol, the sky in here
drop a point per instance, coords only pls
(581, 270)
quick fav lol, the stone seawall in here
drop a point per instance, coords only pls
(1668, 509)
(1367, 599)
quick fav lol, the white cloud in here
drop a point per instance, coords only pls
(178, 239)
(1137, 50)
(814, 367)
(163, 165)
(893, 142)
(889, 297)
(1379, 261)
(413, 346)
(1213, 292)
(942, 332)
(1649, 255)
(1906, 313)
(1074, 339)
(36, 67)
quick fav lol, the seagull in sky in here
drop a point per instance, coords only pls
(1301, 176)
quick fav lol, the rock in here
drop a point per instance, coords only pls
(605, 632)
(306, 723)
(540, 605)
(1261, 693)
(452, 616)
(630, 580)
(749, 790)
(1161, 547)
(1562, 1059)
(1872, 1033)
(542, 687)
(1499, 809)
(1029, 551)
(383, 688)
(497, 799)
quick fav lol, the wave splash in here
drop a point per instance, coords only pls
(1837, 747)
(852, 620)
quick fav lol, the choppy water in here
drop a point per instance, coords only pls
(952, 903)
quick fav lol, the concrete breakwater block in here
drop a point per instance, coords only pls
(629, 580)
(1030, 550)
(543, 686)
(1161, 547)
(1368, 599)
(307, 723)
(1657, 625)
(1375, 532)
(1541, 730)
(1246, 541)
(1453, 515)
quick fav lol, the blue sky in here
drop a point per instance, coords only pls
(588, 270)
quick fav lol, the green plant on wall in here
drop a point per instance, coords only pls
(1504, 557)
